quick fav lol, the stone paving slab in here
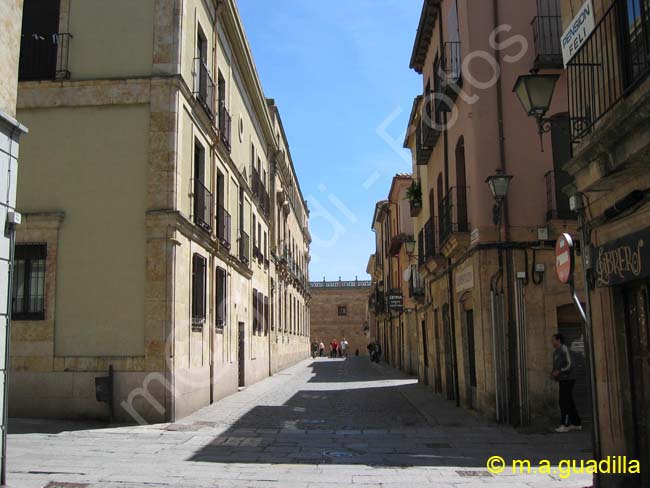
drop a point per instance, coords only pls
(320, 423)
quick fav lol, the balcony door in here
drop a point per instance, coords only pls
(39, 40)
(637, 27)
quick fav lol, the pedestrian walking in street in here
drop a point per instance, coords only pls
(371, 351)
(564, 373)
(334, 348)
(377, 352)
(345, 345)
(314, 349)
(321, 349)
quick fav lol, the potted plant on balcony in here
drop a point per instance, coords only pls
(414, 196)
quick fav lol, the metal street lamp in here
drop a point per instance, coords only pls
(499, 184)
(535, 93)
(410, 247)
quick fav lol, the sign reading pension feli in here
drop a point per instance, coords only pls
(579, 30)
(623, 260)
(396, 302)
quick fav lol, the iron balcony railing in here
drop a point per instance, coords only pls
(427, 242)
(341, 284)
(225, 126)
(223, 226)
(453, 213)
(244, 247)
(204, 86)
(202, 205)
(557, 202)
(429, 126)
(44, 57)
(416, 284)
(449, 75)
(614, 59)
(547, 31)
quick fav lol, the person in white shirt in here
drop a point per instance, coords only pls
(345, 346)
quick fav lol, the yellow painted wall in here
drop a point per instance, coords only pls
(111, 39)
(91, 163)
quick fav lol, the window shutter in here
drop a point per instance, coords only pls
(254, 310)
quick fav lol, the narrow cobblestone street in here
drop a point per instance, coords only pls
(320, 423)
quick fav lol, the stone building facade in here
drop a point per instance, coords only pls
(486, 300)
(610, 135)
(340, 310)
(10, 134)
(147, 193)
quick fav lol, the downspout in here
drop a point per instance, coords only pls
(512, 332)
(450, 277)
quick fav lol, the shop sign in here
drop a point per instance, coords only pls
(623, 260)
(396, 302)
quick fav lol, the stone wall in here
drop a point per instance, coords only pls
(326, 324)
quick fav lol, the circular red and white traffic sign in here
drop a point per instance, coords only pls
(564, 258)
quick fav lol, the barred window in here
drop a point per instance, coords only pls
(28, 293)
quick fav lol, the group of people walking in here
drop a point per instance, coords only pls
(337, 349)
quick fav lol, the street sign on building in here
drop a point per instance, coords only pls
(564, 258)
(396, 302)
(579, 30)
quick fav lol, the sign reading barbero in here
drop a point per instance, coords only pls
(579, 30)
(623, 260)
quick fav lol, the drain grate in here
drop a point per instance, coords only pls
(473, 474)
(438, 445)
(338, 454)
(60, 484)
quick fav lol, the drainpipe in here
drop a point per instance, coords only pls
(512, 332)
(450, 277)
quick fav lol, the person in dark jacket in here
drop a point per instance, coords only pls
(564, 374)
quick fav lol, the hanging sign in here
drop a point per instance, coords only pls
(579, 30)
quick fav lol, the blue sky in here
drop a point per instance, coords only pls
(339, 73)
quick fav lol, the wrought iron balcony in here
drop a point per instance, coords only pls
(453, 213)
(223, 226)
(44, 57)
(225, 126)
(547, 31)
(416, 284)
(611, 63)
(244, 247)
(430, 126)
(427, 242)
(557, 203)
(204, 86)
(202, 205)
(449, 75)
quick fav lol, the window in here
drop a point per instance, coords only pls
(266, 316)
(260, 313)
(28, 294)
(255, 315)
(221, 298)
(343, 310)
(198, 292)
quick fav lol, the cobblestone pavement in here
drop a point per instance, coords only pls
(320, 423)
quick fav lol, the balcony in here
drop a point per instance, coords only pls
(427, 242)
(223, 226)
(547, 31)
(430, 127)
(44, 57)
(244, 247)
(557, 203)
(454, 225)
(396, 243)
(611, 63)
(416, 285)
(202, 205)
(449, 75)
(225, 126)
(203, 86)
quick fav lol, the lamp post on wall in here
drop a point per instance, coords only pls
(535, 93)
(499, 184)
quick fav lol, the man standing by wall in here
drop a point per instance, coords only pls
(564, 374)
